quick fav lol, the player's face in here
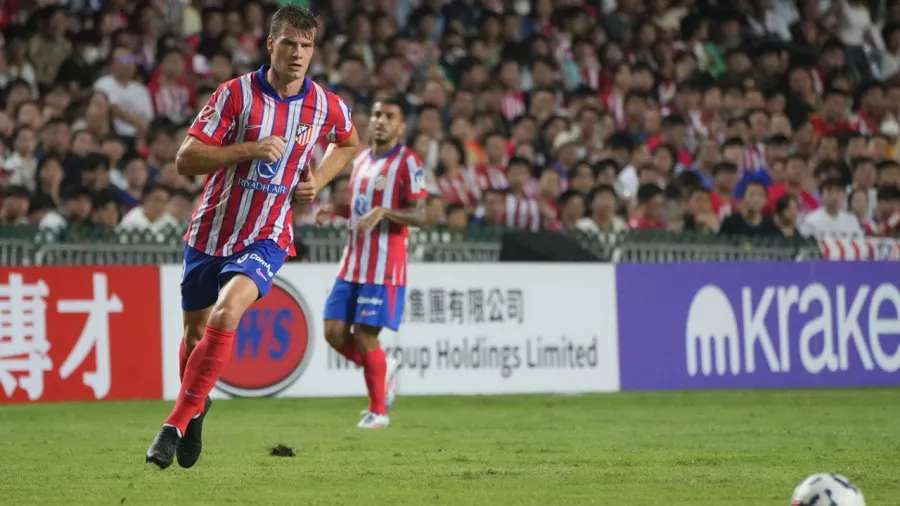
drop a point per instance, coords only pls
(291, 52)
(387, 123)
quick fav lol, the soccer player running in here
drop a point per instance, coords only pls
(253, 140)
(387, 185)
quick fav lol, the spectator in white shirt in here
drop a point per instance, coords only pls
(151, 215)
(602, 212)
(22, 164)
(831, 220)
(129, 100)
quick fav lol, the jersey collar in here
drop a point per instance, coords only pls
(269, 90)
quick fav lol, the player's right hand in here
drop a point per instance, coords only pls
(270, 149)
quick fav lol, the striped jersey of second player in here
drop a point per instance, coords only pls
(394, 181)
(251, 201)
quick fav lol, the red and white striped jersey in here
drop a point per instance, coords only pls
(524, 213)
(251, 201)
(393, 181)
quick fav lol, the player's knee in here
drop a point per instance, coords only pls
(225, 316)
(192, 335)
(365, 337)
(335, 333)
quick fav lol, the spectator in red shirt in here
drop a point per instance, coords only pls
(886, 220)
(833, 118)
(173, 97)
(673, 131)
(725, 178)
(648, 212)
(792, 184)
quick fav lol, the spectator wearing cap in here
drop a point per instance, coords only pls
(885, 222)
(601, 207)
(831, 220)
(151, 214)
(749, 220)
(130, 102)
(14, 208)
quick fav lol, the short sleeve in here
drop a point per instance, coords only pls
(340, 120)
(413, 177)
(217, 118)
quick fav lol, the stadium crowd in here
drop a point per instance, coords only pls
(746, 117)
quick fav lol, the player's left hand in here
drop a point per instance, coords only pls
(306, 190)
(370, 219)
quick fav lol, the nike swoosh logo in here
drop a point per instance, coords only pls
(253, 127)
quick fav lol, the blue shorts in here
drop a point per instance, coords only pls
(374, 305)
(204, 275)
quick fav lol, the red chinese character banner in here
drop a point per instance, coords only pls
(79, 333)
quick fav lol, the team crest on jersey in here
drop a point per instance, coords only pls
(208, 114)
(304, 134)
(380, 182)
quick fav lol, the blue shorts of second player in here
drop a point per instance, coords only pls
(204, 275)
(374, 305)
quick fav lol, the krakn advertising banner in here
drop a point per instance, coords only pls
(758, 325)
(467, 329)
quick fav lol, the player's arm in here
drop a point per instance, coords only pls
(197, 158)
(337, 157)
(411, 216)
(209, 144)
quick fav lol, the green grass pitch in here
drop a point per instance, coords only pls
(722, 448)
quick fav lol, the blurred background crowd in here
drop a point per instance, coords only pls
(745, 117)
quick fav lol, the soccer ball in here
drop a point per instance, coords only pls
(827, 490)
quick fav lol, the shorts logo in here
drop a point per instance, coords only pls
(273, 344)
(261, 274)
(258, 259)
(366, 314)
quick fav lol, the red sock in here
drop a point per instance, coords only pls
(182, 359)
(203, 369)
(351, 352)
(375, 370)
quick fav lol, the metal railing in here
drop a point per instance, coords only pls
(29, 246)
